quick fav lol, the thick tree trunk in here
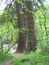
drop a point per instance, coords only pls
(31, 27)
(22, 42)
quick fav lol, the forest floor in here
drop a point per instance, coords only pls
(9, 61)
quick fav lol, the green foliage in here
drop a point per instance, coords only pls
(7, 34)
(42, 27)
(8, 27)
(4, 56)
(32, 59)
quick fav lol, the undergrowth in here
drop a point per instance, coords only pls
(4, 56)
(34, 58)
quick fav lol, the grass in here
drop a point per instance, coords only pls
(4, 56)
(34, 58)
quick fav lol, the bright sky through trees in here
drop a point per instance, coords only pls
(3, 3)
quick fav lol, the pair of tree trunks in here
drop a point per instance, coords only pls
(31, 44)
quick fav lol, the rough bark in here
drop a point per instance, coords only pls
(31, 27)
(22, 42)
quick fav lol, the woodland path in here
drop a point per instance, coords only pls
(9, 62)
